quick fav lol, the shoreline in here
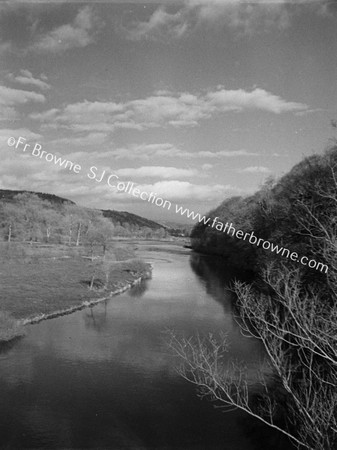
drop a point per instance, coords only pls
(86, 304)
(16, 327)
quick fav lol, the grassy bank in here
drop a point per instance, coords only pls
(40, 282)
(10, 328)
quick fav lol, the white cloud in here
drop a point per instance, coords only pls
(23, 171)
(6, 133)
(19, 170)
(242, 16)
(7, 113)
(255, 169)
(181, 110)
(163, 109)
(78, 34)
(167, 150)
(207, 166)
(221, 154)
(239, 100)
(184, 190)
(11, 98)
(145, 152)
(26, 78)
(90, 139)
(160, 25)
(156, 172)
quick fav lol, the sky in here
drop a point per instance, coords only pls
(193, 100)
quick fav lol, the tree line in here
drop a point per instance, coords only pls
(298, 212)
(27, 217)
(289, 307)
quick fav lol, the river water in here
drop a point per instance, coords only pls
(105, 378)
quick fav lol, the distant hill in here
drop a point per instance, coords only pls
(8, 195)
(132, 219)
(179, 229)
(122, 217)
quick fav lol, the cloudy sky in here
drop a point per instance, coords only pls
(195, 100)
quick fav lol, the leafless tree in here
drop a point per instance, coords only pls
(296, 320)
(226, 382)
(299, 332)
(318, 219)
(300, 338)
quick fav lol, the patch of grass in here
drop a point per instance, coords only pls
(10, 328)
(123, 253)
(50, 283)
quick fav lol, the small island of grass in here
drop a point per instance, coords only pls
(41, 281)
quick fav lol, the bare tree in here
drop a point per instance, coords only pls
(10, 218)
(299, 332)
(317, 216)
(299, 335)
(228, 383)
(295, 317)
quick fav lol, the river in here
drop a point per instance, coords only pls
(105, 378)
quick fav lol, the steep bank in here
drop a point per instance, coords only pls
(291, 215)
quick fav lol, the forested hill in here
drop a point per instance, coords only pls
(8, 195)
(297, 212)
(122, 218)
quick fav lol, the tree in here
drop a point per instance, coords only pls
(31, 207)
(100, 232)
(292, 311)
(299, 334)
(76, 221)
(51, 220)
(160, 233)
(317, 216)
(147, 232)
(10, 219)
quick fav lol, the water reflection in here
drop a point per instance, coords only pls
(5, 347)
(218, 278)
(96, 318)
(104, 378)
(139, 289)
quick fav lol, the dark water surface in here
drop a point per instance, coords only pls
(105, 378)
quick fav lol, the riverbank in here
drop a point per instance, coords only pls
(41, 283)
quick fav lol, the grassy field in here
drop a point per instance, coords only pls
(37, 281)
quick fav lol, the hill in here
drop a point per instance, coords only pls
(8, 195)
(296, 212)
(117, 217)
(124, 217)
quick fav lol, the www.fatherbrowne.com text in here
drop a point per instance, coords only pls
(151, 197)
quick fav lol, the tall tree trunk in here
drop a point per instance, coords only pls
(48, 233)
(78, 234)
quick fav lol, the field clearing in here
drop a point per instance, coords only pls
(47, 280)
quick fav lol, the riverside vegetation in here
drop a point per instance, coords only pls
(291, 308)
(57, 258)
